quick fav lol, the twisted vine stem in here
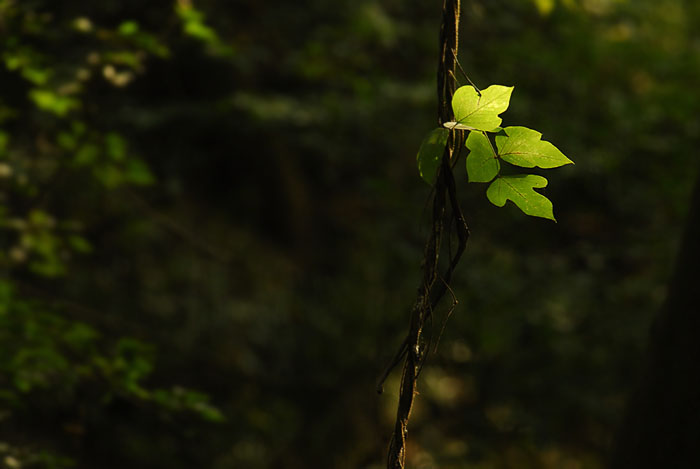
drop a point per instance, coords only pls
(434, 284)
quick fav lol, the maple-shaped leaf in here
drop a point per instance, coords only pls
(474, 111)
(521, 190)
(482, 161)
(523, 147)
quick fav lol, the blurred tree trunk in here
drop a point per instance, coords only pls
(662, 425)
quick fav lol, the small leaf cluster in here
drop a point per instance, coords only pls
(44, 353)
(478, 113)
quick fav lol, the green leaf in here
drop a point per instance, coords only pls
(86, 154)
(482, 161)
(520, 189)
(128, 28)
(47, 100)
(430, 154)
(137, 172)
(116, 146)
(522, 147)
(481, 112)
(79, 244)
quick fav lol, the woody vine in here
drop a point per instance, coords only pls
(468, 120)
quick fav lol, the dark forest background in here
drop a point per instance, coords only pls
(212, 227)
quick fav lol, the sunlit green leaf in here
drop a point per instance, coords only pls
(520, 190)
(522, 147)
(482, 162)
(193, 24)
(430, 154)
(481, 111)
(544, 7)
(38, 76)
(48, 100)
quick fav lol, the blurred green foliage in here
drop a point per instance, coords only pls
(221, 196)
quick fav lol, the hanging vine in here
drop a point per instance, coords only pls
(431, 290)
(462, 111)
